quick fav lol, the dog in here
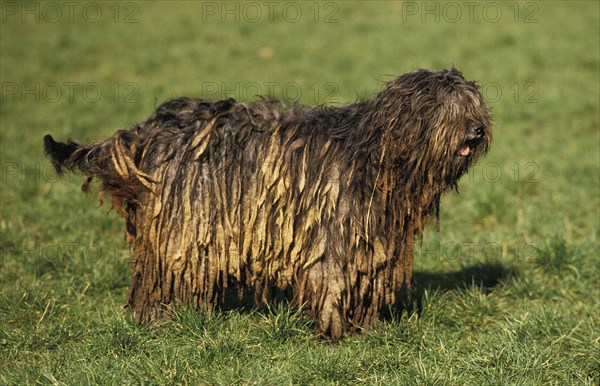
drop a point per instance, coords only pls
(323, 202)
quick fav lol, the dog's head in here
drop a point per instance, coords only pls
(462, 116)
(437, 122)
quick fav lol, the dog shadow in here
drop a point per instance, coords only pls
(485, 276)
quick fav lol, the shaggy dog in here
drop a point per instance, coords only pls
(325, 202)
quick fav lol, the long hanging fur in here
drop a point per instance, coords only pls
(324, 201)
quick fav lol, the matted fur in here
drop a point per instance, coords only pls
(324, 201)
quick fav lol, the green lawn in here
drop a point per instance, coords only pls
(506, 293)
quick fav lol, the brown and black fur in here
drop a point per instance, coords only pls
(324, 201)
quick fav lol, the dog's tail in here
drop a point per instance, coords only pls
(60, 153)
(111, 161)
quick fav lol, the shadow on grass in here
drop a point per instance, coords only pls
(486, 276)
(278, 314)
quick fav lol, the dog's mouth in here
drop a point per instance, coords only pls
(465, 150)
(474, 138)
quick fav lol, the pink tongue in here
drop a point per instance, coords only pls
(464, 151)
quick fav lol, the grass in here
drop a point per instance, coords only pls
(506, 293)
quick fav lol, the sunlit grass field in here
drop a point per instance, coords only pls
(507, 292)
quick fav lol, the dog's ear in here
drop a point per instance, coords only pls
(59, 152)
